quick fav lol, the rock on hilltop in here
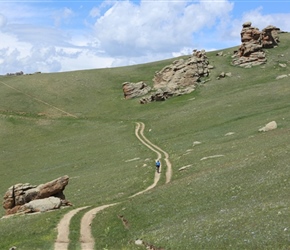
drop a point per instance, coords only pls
(251, 52)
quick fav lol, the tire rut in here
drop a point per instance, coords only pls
(86, 239)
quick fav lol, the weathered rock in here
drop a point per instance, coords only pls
(270, 36)
(42, 205)
(269, 126)
(132, 90)
(183, 73)
(281, 77)
(53, 188)
(251, 52)
(21, 194)
(179, 78)
(16, 195)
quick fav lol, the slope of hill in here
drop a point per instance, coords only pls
(77, 123)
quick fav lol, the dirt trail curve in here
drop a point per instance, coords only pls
(86, 239)
(62, 239)
(158, 149)
(140, 129)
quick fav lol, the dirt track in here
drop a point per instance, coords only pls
(86, 238)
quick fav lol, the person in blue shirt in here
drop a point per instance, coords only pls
(157, 164)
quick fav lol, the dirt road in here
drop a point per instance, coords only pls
(62, 240)
(86, 239)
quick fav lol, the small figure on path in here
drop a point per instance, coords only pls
(157, 166)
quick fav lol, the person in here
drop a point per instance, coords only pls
(157, 166)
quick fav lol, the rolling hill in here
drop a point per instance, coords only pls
(78, 124)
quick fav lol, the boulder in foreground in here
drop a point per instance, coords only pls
(27, 198)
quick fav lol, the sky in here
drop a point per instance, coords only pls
(57, 36)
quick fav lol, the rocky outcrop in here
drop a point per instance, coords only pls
(179, 78)
(251, 52)
(270, 36)
(132, 90)
(30, 198)
(183, 73)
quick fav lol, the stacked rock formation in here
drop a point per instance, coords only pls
(27, 198)
(181, 77)
(132, 90)
(251, 52)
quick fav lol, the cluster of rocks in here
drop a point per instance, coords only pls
(251, 53)
(27, 198)
(181, 77)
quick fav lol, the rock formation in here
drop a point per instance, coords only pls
(29, 198)
(132, 90)
(181, 77)
(251, 52)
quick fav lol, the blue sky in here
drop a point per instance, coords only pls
(56, 36)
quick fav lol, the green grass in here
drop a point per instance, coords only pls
(237, 201)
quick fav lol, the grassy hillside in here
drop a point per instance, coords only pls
(77, 123)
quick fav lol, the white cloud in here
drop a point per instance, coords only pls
(85, 60)
(59, 36)
(128, 29)
(258, 20)
(280, 20)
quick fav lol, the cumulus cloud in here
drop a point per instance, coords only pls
(260, 20)
(61, 35)
(134, 29)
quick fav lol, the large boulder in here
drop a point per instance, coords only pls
(179, 78)
(42, 205)
(183, 73)
(269, 126)
(22, 194)
(132, 90)
(270, 36)
(53, 188)
(251, 52)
